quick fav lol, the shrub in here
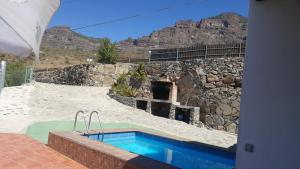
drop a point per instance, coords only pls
(124, 90)
(15, 74)
(128, 83)
(140, 73)
(108, 52)
(122, 79)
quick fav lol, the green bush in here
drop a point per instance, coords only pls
(108, 52)
(122, 88)
(122, 79)
(15, 74)
(128, 83)
(140, 74)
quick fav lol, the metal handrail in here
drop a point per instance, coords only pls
(75, 123)
(89, 124)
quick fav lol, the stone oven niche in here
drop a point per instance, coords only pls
(161, 90)
(161, 109)
(183, 114)
(141, 104)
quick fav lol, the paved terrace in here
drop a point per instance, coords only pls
(21, 152)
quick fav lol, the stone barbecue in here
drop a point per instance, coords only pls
(173, 89)
(162, 102)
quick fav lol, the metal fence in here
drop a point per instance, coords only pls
(2, 74)
(17, 74)
(199, 52)
(133, 60)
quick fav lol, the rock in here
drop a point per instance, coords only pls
(212, 78)
(220, 128)
(224, 109)
(200, 71)
(109, 69)
(235, 112)
(219, 111)
(209, 120)
(209, 86)
(232, 128)
(219, 84)
(228, 79)
(214, 72)
(122, 68)
(218, 120)
(236, 104)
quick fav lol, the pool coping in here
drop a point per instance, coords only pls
(126, 159)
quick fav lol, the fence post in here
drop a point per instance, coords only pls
(26, 74)
(205, 55)
(150, 55)
(2, 74)
(177, 54)
(240, 50)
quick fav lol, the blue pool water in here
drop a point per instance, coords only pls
(176, 153)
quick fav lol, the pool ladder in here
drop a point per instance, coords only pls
(88, 125)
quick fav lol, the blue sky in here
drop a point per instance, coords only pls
(77, 13)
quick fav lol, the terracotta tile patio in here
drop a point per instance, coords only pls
(22, 152)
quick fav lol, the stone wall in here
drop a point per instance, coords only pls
(85, 75)
(212, 84)
(129, 101)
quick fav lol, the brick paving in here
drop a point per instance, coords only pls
(22, 152)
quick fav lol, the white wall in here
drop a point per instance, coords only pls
(270, 108)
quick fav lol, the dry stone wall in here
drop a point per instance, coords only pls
(85, 75)
(214, 85)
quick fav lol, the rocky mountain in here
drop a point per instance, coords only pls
(64, 38)
(224, 28)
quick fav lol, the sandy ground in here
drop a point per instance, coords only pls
(21, 106)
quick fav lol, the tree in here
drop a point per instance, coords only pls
(108, 52)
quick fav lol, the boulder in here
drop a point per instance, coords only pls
(232, 128)
(218, 120)
(228, 79)
(224, 109)
(219, 84)
(214, 72)
(209, 120)
(209, 86)
(212, 78)
(200, 71)
(236, 104)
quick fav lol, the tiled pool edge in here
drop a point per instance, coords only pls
(94, 154)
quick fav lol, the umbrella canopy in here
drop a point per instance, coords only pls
(23, 23)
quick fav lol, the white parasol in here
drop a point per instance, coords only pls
(23, 23)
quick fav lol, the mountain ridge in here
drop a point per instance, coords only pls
(62, 47)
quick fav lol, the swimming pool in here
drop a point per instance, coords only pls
(176, 153)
